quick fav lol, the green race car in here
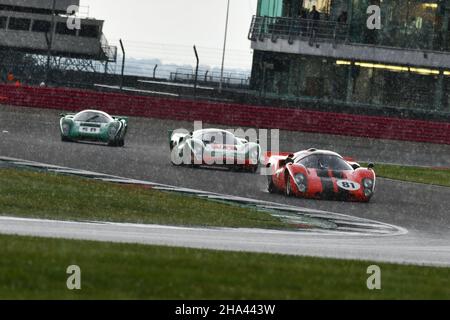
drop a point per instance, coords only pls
(93, 125)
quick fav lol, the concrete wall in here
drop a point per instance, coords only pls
(229, 114)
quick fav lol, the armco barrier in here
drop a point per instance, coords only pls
(228, 114)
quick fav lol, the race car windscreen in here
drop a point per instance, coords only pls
(217, 137)
(325, 162)
(92, 117)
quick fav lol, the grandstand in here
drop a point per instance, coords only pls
(34, 34)
(335, 56)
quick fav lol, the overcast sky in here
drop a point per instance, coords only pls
(167, 29)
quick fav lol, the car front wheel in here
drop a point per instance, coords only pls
(288, 186)
(271, 185)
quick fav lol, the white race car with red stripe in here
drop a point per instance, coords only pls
(214, 147)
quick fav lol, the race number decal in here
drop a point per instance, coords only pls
(89, 130)
(348, 185)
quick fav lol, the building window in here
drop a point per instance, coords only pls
(3, 21)
(89, 31)
(405, 23)
(323, 6)
(61, 28)
(270, 8)
(19, 24)
(41, 26)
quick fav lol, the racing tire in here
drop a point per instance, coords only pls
(65, 139)
(121, 143)
(172, 147)
(254, 169)
(112, 143)
(271, 186)
(238, 168)
(173, 163)
(288, 190)
(193, 165)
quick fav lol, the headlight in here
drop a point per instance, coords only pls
(300, 178)
(301, 181)
(368, 183)
(66, 128)
(253, 156)
(198, 149)
(112, 131)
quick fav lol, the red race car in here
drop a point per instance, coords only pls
(320, 174)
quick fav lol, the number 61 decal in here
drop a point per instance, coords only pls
(348, 185)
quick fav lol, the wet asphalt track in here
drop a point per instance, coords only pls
(401, 249)
(424, 210)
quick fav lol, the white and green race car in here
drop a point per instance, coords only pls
(94, 125)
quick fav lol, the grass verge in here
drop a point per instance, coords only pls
(49, 196)
(34, 268)
(439, 177)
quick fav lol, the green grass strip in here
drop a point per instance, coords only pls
(439, 177)
(34, 268)
(49, 196)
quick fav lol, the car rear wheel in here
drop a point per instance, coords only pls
(64, 139)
